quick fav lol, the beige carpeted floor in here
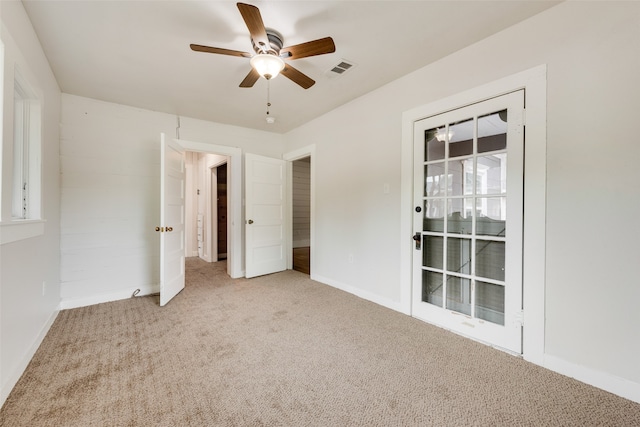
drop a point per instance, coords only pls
(283, 350)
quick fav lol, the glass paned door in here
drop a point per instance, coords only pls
(467, 263)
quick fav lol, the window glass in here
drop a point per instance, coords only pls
(26, 165)
(492, 132)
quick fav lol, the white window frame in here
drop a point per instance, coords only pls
(22, 217)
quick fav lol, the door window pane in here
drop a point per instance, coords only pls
(490, 259)
(461, 138)
(459, 294)
(434, 180)
(490, 302)
(433, 147)
(459, 255)
(492, 132)
(433, 215)
(491, 174)
(459, 216)
(432, 251)
(461, 177)
(491, 216)
(432, 287)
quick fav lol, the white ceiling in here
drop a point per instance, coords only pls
(137, 52)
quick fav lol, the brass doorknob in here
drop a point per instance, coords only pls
(169, 228)
(250, 221)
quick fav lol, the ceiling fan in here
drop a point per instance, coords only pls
(269, 57)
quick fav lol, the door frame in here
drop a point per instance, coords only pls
(235, 238)
(290, 157)
(534, 82)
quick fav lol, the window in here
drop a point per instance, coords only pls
(26, 182)
(21, 213)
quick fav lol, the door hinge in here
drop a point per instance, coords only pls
(519, 318)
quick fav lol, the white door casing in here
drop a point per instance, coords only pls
(265, 181)
(449, 286)
(172, 220)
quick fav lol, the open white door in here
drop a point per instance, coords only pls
(265, 180)
(172, 178)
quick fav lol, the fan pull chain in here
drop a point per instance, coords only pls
(268, 96)
(271, 120)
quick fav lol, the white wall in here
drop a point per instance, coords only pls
(25, 312)
(110, 170)
(592, 53)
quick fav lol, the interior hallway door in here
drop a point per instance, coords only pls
(172, 229)
(468, 212)
(265, 180)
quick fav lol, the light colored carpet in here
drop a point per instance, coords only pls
(283, 350)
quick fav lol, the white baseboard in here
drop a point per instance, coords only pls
(68, 303)
(393, 305)
(14, 376)
(611, 383)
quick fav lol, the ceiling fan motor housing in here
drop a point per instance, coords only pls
(275, 41)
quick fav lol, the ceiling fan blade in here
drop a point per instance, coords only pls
(297, 77)
(251, 78)
(253, 19)
(209, 49)
(312, 48)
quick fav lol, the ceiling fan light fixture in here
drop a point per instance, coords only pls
(268, 66)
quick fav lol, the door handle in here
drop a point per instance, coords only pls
(250, 221)
(169, 228)
(418, 239)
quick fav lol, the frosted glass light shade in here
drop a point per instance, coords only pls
(268, 66)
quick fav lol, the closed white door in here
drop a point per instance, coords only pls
(265, 180)
(468, 202)
(172, 195)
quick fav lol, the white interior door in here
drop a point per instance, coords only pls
(265, 180)
(468, 211)
(172, 229)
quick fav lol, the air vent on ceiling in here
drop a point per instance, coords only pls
(342, 67)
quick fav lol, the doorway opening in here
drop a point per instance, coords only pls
(301, 214)
(221, 210)
(206, 207)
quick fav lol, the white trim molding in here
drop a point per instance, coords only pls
(140, 291)
(235, 241)
(372, 297)
(20, 229)
(611, 383)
